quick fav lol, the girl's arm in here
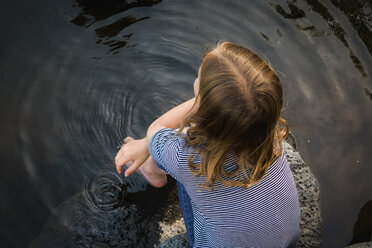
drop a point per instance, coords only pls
(137, 151)
(173, 118)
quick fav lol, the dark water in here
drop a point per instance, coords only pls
(76, 77)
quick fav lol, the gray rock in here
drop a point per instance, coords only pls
(180, 240)
(361, 245)
(309, 197)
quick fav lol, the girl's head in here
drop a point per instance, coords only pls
(240, 100)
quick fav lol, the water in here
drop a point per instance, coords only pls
(78, 77)
(106, 192)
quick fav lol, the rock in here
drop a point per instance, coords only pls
(79, 222)
(171, 230)
(74, 223)
(359, 245)
(180, 240)
(309, 197)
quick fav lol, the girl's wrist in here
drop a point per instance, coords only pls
(145, 146)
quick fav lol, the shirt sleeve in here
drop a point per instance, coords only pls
(165, 148)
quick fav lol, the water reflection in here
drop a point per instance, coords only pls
(368, 93)
(96, 10)
(359, 13)
(297, 13)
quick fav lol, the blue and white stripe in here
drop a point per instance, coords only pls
(264, 215)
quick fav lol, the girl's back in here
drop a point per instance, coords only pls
(266, 214)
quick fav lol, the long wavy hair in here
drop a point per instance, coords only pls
(240, 100)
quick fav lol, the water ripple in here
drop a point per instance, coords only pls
(106, 191)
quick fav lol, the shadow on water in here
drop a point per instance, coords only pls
(96, 11)
(362, 231)
(361, 25)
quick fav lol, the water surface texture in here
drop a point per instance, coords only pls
(78, 76)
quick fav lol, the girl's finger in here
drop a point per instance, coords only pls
(119, 168)
(129, 171)
(119, 162)
(127, 139)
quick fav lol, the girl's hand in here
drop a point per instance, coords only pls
(136, 151)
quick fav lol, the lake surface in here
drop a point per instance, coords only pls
(76, 77)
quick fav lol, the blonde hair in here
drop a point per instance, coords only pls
(240, 101)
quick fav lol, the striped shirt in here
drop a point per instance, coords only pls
(266, 214)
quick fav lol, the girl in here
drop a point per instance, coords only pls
(235, 185)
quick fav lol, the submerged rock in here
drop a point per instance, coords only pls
(309, 197)
(75, 224)
(137, 222)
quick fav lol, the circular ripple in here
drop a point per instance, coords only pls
(105, 192)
